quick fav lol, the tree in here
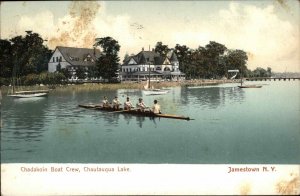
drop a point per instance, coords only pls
(92, 72)
(66, 73)
(260, 72)
(126, 57)
(29, 55)
(183, 53)
(269, 71)
(5, 59)
(161, 49)
(80, 72)
(108, 62)
(237, 59)
(213, 52)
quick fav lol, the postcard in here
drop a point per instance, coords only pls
(150, 98)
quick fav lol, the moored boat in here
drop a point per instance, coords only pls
(28, 95)
(133, 112)
(250, 86)
(155, 92)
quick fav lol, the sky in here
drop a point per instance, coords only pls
(267, 30)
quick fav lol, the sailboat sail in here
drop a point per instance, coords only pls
(146, 87)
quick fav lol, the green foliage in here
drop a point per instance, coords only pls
(183, 55)
(23, 55)
(5, 81)
(108, 63)
(80, 72)
(161, 49)
(44, 78)
(65, 72)
(5, 59)
(92, 72)
(261, 72)
(237, 59)
(107, 66)
(211, 61)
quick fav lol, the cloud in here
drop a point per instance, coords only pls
(42, 23)
(270, 40)
(84, 22)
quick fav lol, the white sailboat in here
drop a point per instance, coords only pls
(151, 90)
(25, 94)
(29, 94)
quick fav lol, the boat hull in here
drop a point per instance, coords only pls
(28, 95)
(155, 92)
(134, 112)
(250, 86)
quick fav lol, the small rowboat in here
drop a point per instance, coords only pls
(29, 94)
(133, 112)
(250, 86)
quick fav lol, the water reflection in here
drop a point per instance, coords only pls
(111, 119)
(25, 115)
(55, 129)
(212, 97)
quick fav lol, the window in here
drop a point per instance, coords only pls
(60, 59)
(57, 59)
(88, 58)
(158, 68)
(53, 59)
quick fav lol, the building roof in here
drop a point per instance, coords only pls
(172, 56)
(150, 57)
(77, 56)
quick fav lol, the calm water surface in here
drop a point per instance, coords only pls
(231, 125)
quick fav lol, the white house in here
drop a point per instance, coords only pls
(71, 58)
(149, 63)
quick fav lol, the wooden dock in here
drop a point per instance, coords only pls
(272, 78)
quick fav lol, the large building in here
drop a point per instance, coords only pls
(149, 63)
(72, 58)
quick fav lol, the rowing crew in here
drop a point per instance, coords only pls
(140, 106)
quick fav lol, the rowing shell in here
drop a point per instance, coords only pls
(134, 112)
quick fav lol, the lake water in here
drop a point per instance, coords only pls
(232, 125)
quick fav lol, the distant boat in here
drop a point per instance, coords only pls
(153, 91)
(29, 94)
(25, 94)
(250, 86)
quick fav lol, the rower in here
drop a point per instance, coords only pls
(127, 104)
(105, 102)
(141, 105)
(116, 103)
(156, 108)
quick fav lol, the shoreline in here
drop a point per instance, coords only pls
(115, 86)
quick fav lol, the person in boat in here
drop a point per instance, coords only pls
(141, 105)
(116, 103)
(156, 108)
(105, 102)
(127, 104)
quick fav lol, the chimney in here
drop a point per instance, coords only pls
(94, 51)
(149, 48)
(142, 48)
